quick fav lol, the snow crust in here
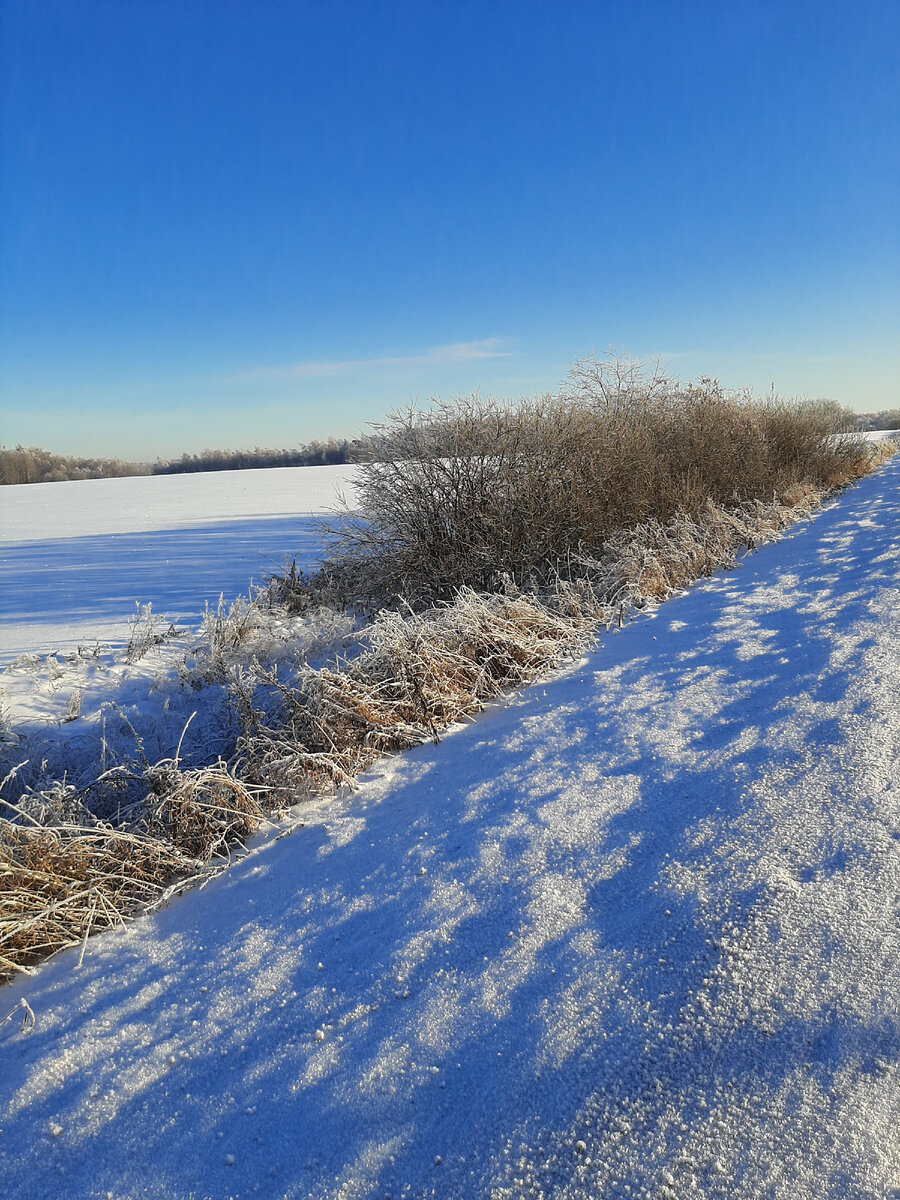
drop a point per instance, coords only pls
(634, 934)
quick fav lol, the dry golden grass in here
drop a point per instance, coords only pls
(202, 812)
(658, 559)
(59, 885)
(61, 882)
(423, 671)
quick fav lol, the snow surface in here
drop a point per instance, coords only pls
(76, 557)
(635, 934)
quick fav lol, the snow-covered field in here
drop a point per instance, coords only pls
(634, 934)
(75, 558)
(79, 560)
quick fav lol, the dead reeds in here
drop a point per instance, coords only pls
(61, 881)
(656, 559)
(202, 812)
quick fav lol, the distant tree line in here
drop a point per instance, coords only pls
(887, 418)
(30, 464)
(315, 454)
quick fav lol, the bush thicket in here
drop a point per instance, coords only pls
(477, 490)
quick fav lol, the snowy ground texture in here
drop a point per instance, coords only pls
(635, 934)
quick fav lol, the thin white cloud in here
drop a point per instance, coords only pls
(456, 352)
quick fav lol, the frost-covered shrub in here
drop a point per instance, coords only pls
(474, 490)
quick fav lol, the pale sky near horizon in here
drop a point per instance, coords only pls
(228, 223)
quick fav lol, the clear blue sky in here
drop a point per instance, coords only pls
(258, 222)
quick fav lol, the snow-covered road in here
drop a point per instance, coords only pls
(635, 934)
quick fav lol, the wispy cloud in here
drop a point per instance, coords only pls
(456, 352)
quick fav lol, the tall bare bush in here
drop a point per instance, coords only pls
(476, 490)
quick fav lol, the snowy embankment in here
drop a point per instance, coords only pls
(634, 934)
